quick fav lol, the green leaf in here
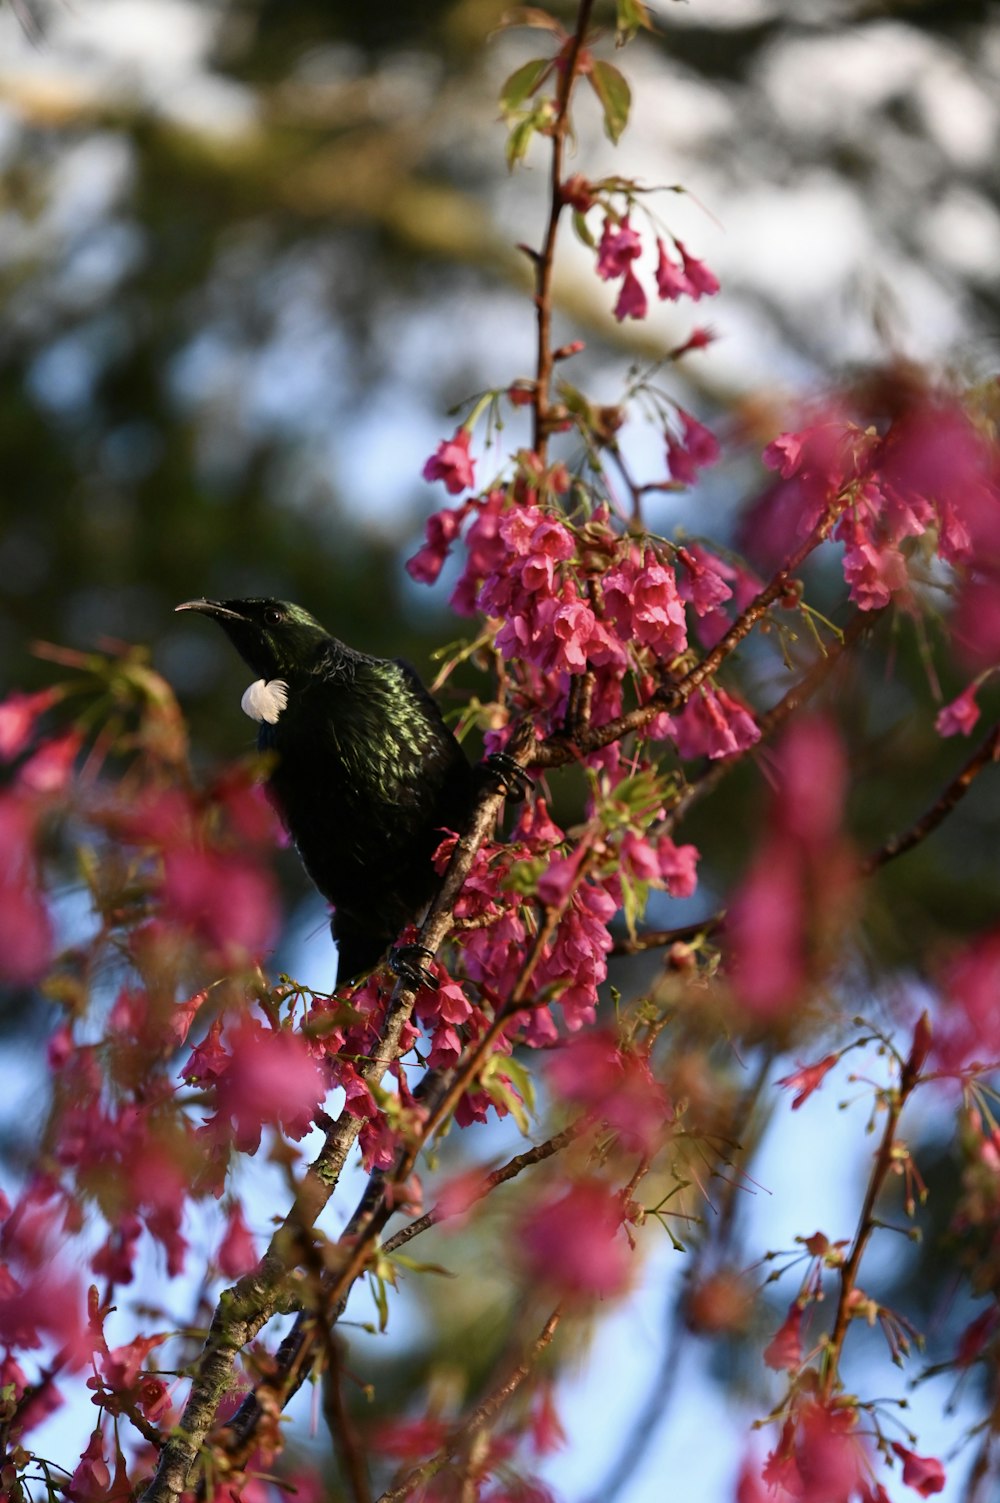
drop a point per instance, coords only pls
(505, 1083)
(631, 16)
(523, 82)
(519, 140)
(415, 1267)
(581, 230)
(611, 88)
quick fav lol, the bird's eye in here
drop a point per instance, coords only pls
(273, 617)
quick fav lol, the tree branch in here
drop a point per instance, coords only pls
(481, 1416)
(988, 751)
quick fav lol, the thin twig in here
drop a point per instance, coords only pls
(987, 752)
(659, 939)
(881, 1169)
(545, 260)
(343, 1433)
(510, 1170)
(481, 1416)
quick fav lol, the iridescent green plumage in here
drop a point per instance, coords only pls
(366, 775)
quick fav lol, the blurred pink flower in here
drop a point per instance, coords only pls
(572, 1242)
(451, 463)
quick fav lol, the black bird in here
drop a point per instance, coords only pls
(366, 772)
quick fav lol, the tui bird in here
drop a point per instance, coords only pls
(366, 772)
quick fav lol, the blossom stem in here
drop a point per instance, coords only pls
(545, 260)
(500, 1176)
(895, 1102)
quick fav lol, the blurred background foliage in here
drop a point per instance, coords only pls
(252, 252)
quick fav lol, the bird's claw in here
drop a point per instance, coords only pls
(508, 775)
(405, 962)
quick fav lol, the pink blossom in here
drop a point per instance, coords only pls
(638, 857)
(697, 448)
(714, 724)
(410, 1440)
(558, 880)
(91, 1481)
(933, 455)
(924, 1474)
(765, 933)
(237, 1253)
(378, 1143)
(959, 717)
(226, 901)
(458, 1195)
(122, 1367)
(875, 572)
(700, 281)
(571, 624)
(970, 1029)
(579, 951)
(18, 715)
(50, 768)
(619, 247)
(616, 1088)
(452, 464)
(26, 941)
(115, 1260)
(973, 1340)
(571, 1242)
(678, 866)
(632, 301)
(547, 1433)
(271, 1078)
(975, 623)
(536, 826)
(829, 1454)
(830, 451)
(442, 528)
(644, 603)
(485, 551)
(807, 1078)
(784, 1351)
(812, 775)
(752, 1488)
(703, 581)
(671, 282)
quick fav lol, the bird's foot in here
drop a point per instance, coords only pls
(509, 776)
(405, 962)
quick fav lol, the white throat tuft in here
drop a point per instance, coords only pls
(265, 700)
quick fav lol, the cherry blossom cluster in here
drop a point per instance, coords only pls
(678, 274)
(573, 599)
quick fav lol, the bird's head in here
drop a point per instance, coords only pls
(276, 639)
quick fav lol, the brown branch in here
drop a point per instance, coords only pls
(545, 259)
(509, 1171)
(244, 1309)
(988, 751)
(343, 1433)
(882, 1168)
(658, 939)
(378, 1202)
(480, 1417)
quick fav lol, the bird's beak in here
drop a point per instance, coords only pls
(210, 608)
